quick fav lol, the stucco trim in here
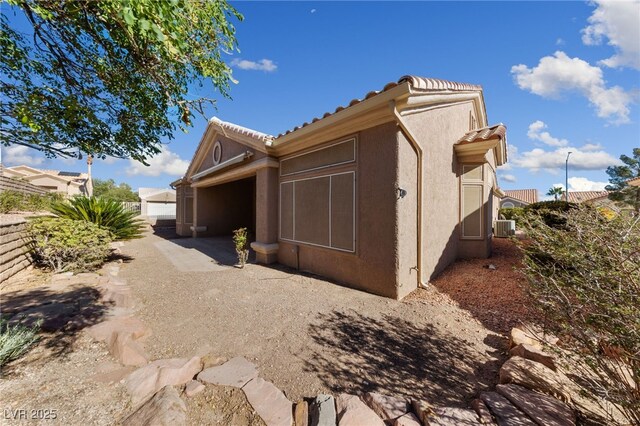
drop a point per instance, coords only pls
(237, 173)
(231, 161)
(265, 248)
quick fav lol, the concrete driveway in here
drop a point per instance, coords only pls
(306, 335)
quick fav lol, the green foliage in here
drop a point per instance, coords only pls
(586, 279)
(14, 201)
(109, 77)
(107, 214)
(241, 242)
(15, 340)
(556, 192)
(109, 190)
(513, 213)
(623, 193)
(62, 244)
(552, 213)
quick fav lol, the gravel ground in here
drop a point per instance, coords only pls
(309, 336)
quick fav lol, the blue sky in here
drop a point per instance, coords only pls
(561, 75)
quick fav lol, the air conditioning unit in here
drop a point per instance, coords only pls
(504, 228)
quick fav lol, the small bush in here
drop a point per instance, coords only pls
(240, 240)
(15, 340)
(14, 201)
(552, 213)
(513, 213)
(62, 244)
(105, 213)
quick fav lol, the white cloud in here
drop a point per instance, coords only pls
(560, 42)
(508, 178)
(266, 65)
(559, 73)
(554, 161)
(17, 155)
(591, 147)
(536, 133)
(584, 184)
(619, 23)
(166, 162)
(313, 10)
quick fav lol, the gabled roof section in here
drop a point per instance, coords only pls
(479, 141)
(226, 126)
(528, 196)
(415, 83)
(582, 196)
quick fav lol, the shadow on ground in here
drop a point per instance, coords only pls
(392, 356)
(61, 312)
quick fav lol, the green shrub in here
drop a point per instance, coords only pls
(513, 213)
(108, 214)
(18, 201)
(585, 278)
(552, 213)
(15, 340)
(241, 240)
(62, 244)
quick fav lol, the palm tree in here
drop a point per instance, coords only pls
(556, 191)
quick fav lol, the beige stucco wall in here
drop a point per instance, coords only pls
(373, 266)
(230, 149)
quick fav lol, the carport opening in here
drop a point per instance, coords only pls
(229, 206)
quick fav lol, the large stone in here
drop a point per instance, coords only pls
(103, 331)
(505, 413)
(126, 349)
(235, 372)
(451, 416)
(301, 414)
(422, 409)
(192, 388)
(353, 412)
(269, 402)
(534, 354)
(165, 408)
(517, 337)
(535, 376)
(481, 409)
(408, 419)
(322, 411)
(543, 409)
(388, 408)
(158, 374)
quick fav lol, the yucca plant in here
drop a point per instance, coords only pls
(15, 340)
(105, 213)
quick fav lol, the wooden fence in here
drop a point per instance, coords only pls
(9, 184)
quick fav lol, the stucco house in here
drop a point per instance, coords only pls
(157, 202)
(518, 198)
(67, 183)
(380, 195)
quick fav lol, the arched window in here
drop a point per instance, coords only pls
(508, 205)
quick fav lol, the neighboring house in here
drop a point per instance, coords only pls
(518, 198)
(634, 181)
(588, 196)
(157, 202)
(381, 195)
(67, 183)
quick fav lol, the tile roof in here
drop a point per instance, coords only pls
(526, 195)
(498, 131)
(582, 196)
(241, 130)
(421, 84)
(634, 181)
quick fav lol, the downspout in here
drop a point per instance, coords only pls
(413, 141)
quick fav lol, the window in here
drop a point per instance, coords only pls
(508, 205)
(319, 211)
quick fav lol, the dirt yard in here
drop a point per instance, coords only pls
(306, 335)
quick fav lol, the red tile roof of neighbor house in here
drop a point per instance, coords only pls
(421, 84)
(582, 196)
(525, 195)
(634, 181)
(497, 131)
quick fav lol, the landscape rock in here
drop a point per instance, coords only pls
(388, 408)
(103, 331)
(165, 408)
(534, 354)
(451, 416)
(301, 414)
(126, 349)
(517, 337)
(192, 388)
(269, 402)
(483, 412)
(505, 413)
(353, 412)
(543, 409)
(158, 374)
(322, 411)
(235, 372)
(422, 409)
(408, 419)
